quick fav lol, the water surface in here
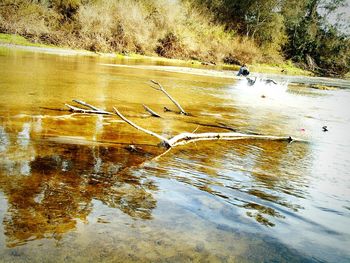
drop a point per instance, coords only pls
(71, 190)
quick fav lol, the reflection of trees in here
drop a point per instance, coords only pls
(61, 180)
(61, 184)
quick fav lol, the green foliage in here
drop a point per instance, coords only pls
(333, 54)
(313, 42)
(13, 39)
(258, 20)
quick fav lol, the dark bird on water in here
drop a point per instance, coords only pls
(324, 128)
(251, 82)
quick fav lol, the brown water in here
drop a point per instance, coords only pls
(71, 191)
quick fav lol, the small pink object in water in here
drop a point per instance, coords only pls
(302, 129)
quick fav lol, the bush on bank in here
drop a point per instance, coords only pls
(166, 28)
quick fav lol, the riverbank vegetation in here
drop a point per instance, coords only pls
(228, 31)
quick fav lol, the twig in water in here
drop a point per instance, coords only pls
(185, 138)
(150, 111)
(93, 109)
(160, 87)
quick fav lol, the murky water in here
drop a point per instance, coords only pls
(72, 191)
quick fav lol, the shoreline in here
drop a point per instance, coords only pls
(228, 72)
(19, 42)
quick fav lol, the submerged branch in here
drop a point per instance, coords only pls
(182, 138)
(160, 87)
(150, 111)
(86, 105)
(93, 109)
(164, 140)
(219, 125)
(80, 110)
(185, 138)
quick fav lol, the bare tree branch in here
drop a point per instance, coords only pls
(94, 110)
(86, 105)
(80, 110)
(219, 125)
(164, 140)
(185, 138)
(182, 111)
(153, 113)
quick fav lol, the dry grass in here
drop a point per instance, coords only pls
(165, 27)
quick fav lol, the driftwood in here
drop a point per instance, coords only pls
(160, 137)
(92, 109)
(160, 87)
(182, 138)
(150, 111)
(223, 126)
(219, 125)
(185, 138)
(86, 105)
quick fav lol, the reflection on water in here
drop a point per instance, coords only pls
(47, 192)
(72, 189)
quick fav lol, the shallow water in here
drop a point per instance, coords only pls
(71, 191)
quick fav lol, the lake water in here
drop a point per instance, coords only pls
(72, 191)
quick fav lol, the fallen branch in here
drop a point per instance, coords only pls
(86, 105)
(182, 111)
(224, 126)
(79, 110)
(164, 140)
(185, 138)
(53, 109)
(93, 109)
(153, 113)
(182, 138)
(220, 125)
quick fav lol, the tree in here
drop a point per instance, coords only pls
(312, 39)
(265, 24)
(257, 19)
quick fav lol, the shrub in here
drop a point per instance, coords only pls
(170, 46)
(169, 29)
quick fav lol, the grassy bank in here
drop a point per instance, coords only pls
(16, 40)
(288, 68)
